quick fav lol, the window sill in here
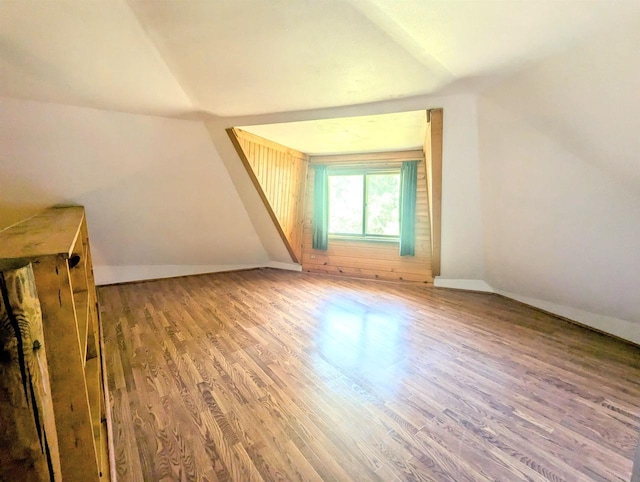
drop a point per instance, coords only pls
(364, 239)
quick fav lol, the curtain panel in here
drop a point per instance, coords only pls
(408, 195)
(320, 234)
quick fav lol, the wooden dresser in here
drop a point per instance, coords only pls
(52, 352)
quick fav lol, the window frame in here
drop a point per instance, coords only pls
(365, 172)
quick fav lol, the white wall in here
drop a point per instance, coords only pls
(560, 176)
(161, 202)
(462, 255)
(159, 199)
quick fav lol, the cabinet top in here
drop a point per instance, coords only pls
(53, 231)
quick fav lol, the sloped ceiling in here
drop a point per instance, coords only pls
(89, 54)
(233, 58)
(344, 135)
(586, 99)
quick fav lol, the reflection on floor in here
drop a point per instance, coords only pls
(363, 341)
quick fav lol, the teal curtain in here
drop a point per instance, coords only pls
(408, 188)
(320, 208)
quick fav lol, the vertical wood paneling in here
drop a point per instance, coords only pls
(375, 260)
(279, 173)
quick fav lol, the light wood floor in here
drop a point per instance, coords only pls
(278, 375)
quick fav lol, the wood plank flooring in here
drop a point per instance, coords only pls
(275, 375)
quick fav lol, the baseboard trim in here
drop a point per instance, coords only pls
(463, 284)
(113, 275)
(627, 331)
(286, 266)
(109, 275)
(624, 330)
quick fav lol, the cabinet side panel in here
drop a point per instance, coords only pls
(68, 384)
(28, 439)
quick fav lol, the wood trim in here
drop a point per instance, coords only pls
(111, 458)
(433, 156)
(233, 135)
(393, 156)
(635, 475)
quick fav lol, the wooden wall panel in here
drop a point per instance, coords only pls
(371, 259)
(279, 173)
(433, 157)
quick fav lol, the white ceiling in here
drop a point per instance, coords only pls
(372, 133)
(247, 57)
(90, 54)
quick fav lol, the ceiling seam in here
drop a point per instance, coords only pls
(172, 71)
(391, 29)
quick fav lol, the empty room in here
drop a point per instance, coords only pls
(373, 240)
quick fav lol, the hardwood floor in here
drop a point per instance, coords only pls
(275, 375)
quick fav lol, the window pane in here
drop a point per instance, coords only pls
(345, 204)
(383, 204)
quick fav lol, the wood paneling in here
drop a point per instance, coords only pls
(279, 174)
(433, 157)
(371, 260)
(275, 375)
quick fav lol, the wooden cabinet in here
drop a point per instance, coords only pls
(53, 247)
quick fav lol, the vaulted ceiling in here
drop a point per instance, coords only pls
(246, 57)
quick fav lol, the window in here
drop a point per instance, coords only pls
(365, 206)
(364, 203)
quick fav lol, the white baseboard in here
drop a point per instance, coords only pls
(462, 284)
(105, 275)
(287, 266)
(624, 329)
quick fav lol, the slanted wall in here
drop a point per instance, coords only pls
(159, 199)
(279, 174)
(559, 151)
